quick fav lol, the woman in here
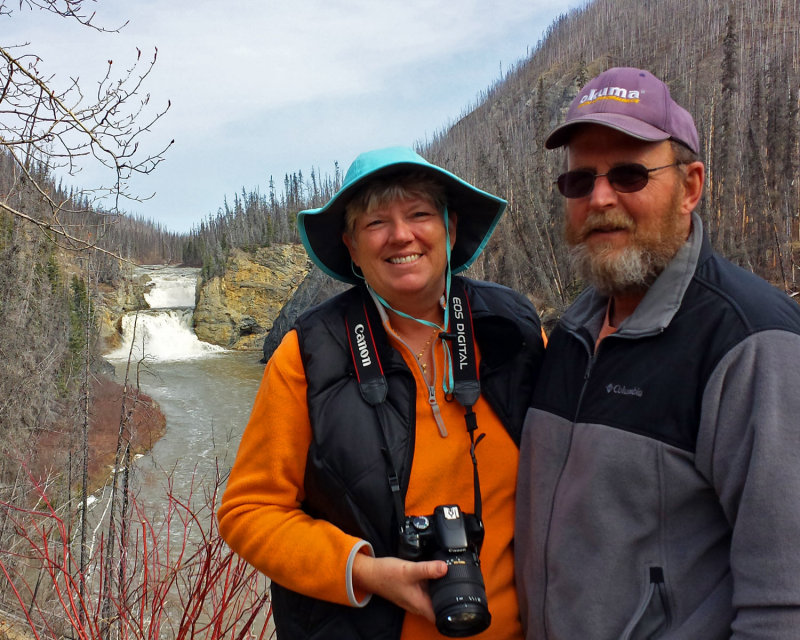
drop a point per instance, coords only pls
(361, 420)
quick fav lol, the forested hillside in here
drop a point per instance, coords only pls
(256, 220)
(734, 65)
(49, 284)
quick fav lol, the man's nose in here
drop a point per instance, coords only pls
(603, 195)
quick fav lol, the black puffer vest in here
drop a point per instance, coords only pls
(346, 474)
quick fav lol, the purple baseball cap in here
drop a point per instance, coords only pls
(632, 101)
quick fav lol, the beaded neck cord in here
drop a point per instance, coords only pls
(421, 353)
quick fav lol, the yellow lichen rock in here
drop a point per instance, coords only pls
(236, 310)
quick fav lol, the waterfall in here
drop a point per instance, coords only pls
(164, 332)
(172, 288)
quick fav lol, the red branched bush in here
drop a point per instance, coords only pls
(171, 575)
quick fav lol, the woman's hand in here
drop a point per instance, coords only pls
(400, 581)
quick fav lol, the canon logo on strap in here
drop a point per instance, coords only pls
(361, 345)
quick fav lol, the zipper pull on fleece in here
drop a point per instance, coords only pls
(437, 414)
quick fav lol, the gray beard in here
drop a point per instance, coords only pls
(634, 269)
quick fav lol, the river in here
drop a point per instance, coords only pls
(204, 391)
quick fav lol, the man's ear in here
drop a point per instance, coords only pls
(693, 186)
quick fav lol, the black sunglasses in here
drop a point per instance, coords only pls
(626, 178)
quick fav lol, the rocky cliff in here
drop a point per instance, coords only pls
(126, 294)
(237, 310)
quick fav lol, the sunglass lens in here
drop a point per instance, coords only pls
(628, 177)
(575, 184)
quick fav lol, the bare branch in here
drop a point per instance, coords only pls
(72, 9)
(51, 128)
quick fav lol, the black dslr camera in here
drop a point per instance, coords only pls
(459, 597)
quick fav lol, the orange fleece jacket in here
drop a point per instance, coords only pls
(261, 518)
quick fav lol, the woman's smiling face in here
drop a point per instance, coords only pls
(400, 248)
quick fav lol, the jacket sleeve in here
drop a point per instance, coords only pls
(260, 516)
(749, 445)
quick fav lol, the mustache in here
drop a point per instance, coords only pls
(606, 221)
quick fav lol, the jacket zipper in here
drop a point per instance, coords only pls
(437, 413)
(587, 372)
(655, 589)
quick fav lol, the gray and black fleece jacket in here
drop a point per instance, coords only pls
(659, 486)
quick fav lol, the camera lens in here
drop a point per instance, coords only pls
(459, 598)
(463, 623)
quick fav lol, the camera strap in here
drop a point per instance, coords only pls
(466, 385)
(464, 371)
(373, 387)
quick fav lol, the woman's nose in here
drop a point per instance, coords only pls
(401, 231)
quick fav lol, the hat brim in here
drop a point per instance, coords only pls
(623, 123)
(478, 214)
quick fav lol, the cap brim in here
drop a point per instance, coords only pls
(623, 123)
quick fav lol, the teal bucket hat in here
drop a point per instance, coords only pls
(321, 229)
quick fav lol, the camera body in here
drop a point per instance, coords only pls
(459, 597)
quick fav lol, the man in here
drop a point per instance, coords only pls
(659, 486)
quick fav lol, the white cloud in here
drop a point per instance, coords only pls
(263, 87)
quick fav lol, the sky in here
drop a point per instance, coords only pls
(262, 88)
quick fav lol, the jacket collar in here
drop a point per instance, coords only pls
(660, 303)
